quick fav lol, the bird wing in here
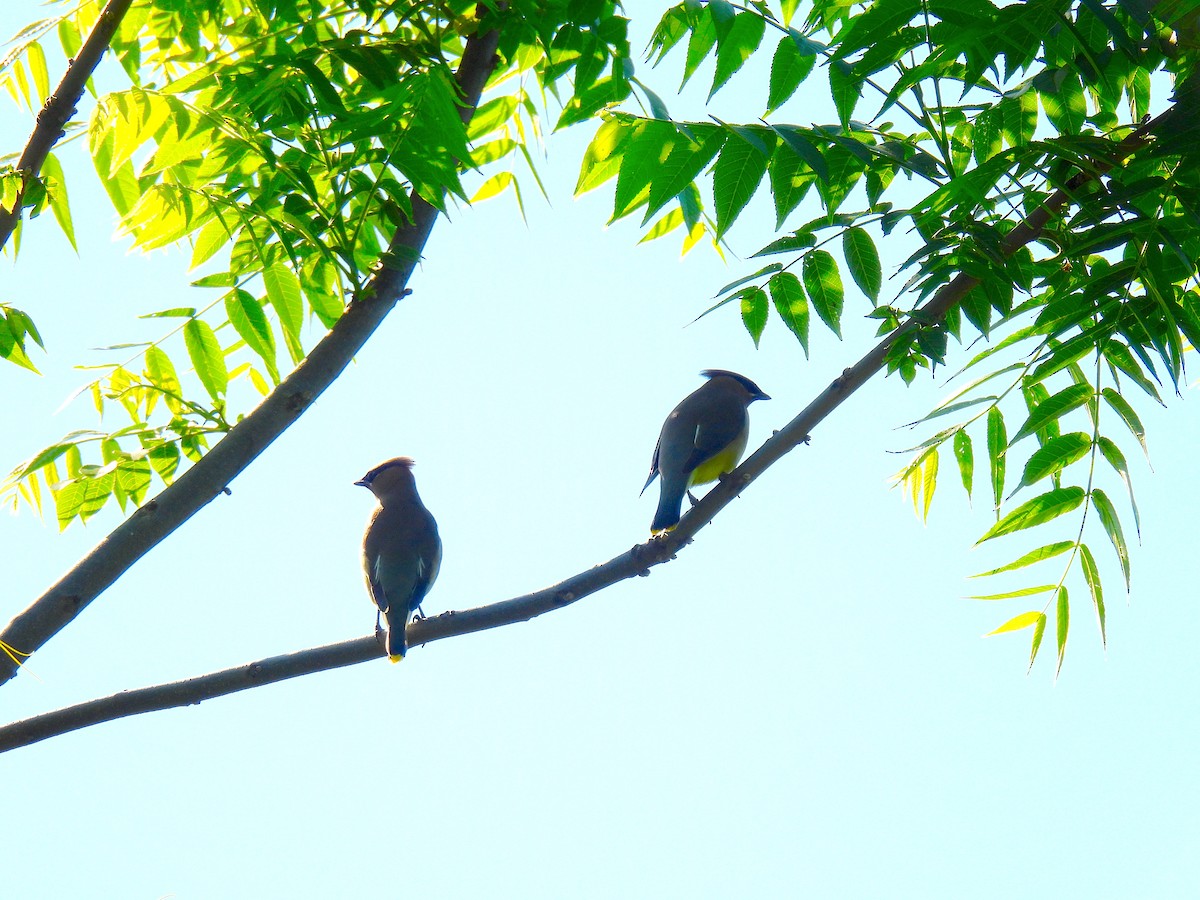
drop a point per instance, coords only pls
(653, 466)
(429, 563)
(713, 434)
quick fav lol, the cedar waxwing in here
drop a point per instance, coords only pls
(401, 549)
(703, 438)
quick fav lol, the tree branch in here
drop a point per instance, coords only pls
(636, 561)
(206, 480)
(60, 106)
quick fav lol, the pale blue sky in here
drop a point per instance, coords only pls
(800, 705)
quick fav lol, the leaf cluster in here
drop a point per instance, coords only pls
(286, 143)
(956, 122)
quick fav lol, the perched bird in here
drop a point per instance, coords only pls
(703, 438)
(401, 549)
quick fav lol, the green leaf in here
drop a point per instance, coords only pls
(965, 456)
(881, 20)
(1038, 632)
(684, 164)
(791, 304)
(1054, 456)
(83, 497)
(58, 198)
(701, 41)
(205, 354)
(1053, 408)
(798, 140)
(1063, 621)
(250, 322)
(647, 149)
(1022, 592)
(36, 58)
(1066, 105)
(1116, 459)
(788, 243)
(133, 478)
(997, 451)
(1128, 416)
(177, 312)
(602, 159)
(14, 325)
(1016, 623)
(863, 260)
(491, 116)
(212, 238)
(789, 68)
(665, 225)
(1039, 510)
(824, 287)
(736, 177)
(791, 180)
(1118, 354)
(929, 474)
(1049, 551)
(1112, 526)
(160, 372)
(164, 458)
(217, 279)
(283, 290)
(1091, 574)
(735, 45)
(846, 90)
(754, 311)
(43, 458)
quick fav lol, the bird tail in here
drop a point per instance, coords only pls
(670, 502)
(394, 642)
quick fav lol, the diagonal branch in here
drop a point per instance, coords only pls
(636, 561)
(142, 531)
(60, 106)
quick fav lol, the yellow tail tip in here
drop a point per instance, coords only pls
(395, 658)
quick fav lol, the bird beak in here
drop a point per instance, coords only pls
(362, 483)
(762, 396)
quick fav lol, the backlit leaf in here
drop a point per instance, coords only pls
(1091, 574)
(205, 354)
(997, 451)
(754, 311)
(1063, 621)
(863, 260)
(1053, 408)
(789, 68)
(1041, 509)
(824, 287)
(1016, 623)
(1112, 526)
(791, 304)
(1128, 416)
(1033, 556)
(1055, 455)
(964, 455)
(736, 177)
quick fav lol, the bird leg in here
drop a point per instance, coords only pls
(380, 637)
(692, 498)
